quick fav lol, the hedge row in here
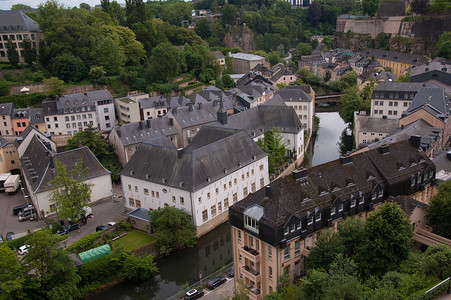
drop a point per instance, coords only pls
(26, 100)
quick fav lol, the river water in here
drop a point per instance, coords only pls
(214, 250)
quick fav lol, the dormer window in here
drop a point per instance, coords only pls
(370, 176)
(310, 220)
(336, 188)
(298, 225)
(293, 228)
(361, 200)
(419, 177)
(400, 166)
(318, 216)
(332, 211)
(373, 196)
(350, 183)
(252, 215)
(323, 192)
(412, 180)
(353, 202)
(286, 230)
(340, 207)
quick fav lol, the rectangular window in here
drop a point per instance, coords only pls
(158, 194)
(173, 199)
(242, 177)
(182, 201)
(138, 203)
(262, 182)
(131, 202)
(234, 181)
(136, 188)
(225, 186)
(286, 252)
(213, 211)
(219, 207)
(269, 252)
(217, 191)
(310, 220)
(235, 197)
(296, 248)
(245, 193)
(230, 184)
(153, 193)
(200, 200)
(261, 167)
(239, 236)
(146, 192)
(353, 202)
(129, 187)
(340, 207)
(105, 110)
(332, 211)
(208, 195)
(270, 273)
(66, 119)
(205, 215)
(253, 188)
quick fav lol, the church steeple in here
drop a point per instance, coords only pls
(222, 113)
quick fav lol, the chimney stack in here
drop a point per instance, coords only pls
(384, 149)
(268, 191)
(190, 107)
(416, 140)
(345, 159)
(140, 124)
(148, 123)
(199, 106)
(222, 113)
(171, 121)
(180, 153)
(299, 173)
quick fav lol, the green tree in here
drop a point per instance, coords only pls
(314, 284)
(444, 50)
(273, 58)
(69, 192)
(229, 13)
(420, 6)
(68, 68)
(173, 229)
(388, 240)
(301, 49)
(326, 249)
(165, 61)
(20, 6)
(438, 261)
(439, 211)
(139, 269)
(352, 233)
(328, 76)
(370, 7)
(54, 86)
(13, 56)
(96, 72)
(53, 270)
(405, 77)
(85, 6)
(349, 79)
(272, 143)
(314, 13)
(12, 274)
(4, 87)
(29, 52)
(109, 56)
(329, 41)
(228, 81)
(203, 28)
(350, 102)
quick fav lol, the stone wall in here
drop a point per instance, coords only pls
(40, 88)
(210, 225)
(241, 37)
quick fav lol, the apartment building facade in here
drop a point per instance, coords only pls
(219, 168)
(6, 125)
(274, 229)
(16, 26)
(390, 100)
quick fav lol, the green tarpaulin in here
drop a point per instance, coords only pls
(94, 253)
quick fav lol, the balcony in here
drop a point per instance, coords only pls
(254, 294)
(251, 254)
(253, 275)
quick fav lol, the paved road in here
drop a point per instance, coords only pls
(9, 222)
(103, 212)
(225, 291)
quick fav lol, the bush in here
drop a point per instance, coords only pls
(85, 243)
(123, 226)
(24, 100)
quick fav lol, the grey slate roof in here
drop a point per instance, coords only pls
(433, 97)
(36, 164)
(246, 56)
(188, 117)
(15, 21)
(132, 133)
(407, 204)
(432, 66)
(442, 160)
(399, 86)
(206, 159)
(262, 118)
(49, 108)
(411, 59)
(36, 115)
(368, 123)
(290, 197)
(6, 108)
(385, 76)
(140, 214)
(3, 142)
(420, 127)
(294, 94)
(20, 113)
(218, 54)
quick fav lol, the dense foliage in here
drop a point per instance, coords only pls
(273, 144)
(173, 229)
(370, 259)
(439, 212)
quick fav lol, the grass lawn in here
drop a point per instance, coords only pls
(134, 239)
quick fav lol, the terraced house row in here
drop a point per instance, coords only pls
(274, 228)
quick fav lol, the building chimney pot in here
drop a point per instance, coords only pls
(268, 191)
(299, 173)
(416, 140)
(148, 123)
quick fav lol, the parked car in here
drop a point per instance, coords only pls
(18, 209)
(111, 223)
(1, 238)
(101, 227)
(193, 294)
(9, 236)
(69, 228)
(231, 272)
(27, 214)
(215, 282)
(23, 250)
